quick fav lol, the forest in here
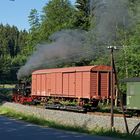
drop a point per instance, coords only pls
(98, 25)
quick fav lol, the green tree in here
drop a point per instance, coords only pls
(34, 22)
(83, 14)
(128, 62)
(57, 15)
(12, 44)
(33, 19)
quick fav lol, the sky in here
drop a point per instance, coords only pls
(16, 12)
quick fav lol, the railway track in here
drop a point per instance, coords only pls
(107, 114)
(89, 112)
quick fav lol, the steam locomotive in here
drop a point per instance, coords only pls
(73, 88)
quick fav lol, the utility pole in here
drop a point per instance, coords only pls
(112, 86)
(113, 71)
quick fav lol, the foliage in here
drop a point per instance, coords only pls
(5, 94)
(129, 61)
(34, 22)
(57, 15)
(34, 19)
(12, 42)
(83, 14)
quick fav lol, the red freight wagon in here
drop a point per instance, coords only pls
(85, 82)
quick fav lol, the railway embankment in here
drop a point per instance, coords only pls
(74, 119)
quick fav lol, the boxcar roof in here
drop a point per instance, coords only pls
(74, 69)
(133, 79)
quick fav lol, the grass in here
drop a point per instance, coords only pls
(106, 108)
(7, 85)
(35, 120)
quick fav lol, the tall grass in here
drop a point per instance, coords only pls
(47, 123)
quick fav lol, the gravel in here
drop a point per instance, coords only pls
(74, 119)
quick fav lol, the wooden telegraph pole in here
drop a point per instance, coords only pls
(114, 73)
(112, 86)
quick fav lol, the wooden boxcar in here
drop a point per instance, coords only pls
(85, 82)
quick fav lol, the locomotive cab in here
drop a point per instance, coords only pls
(22, 92)
(23, 88)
